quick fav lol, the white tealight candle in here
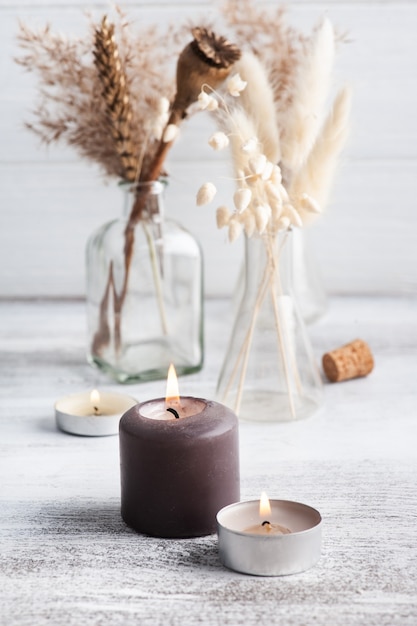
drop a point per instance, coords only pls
(291, 545)
(92, 414)
(264, 526)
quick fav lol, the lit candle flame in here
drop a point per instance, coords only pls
(264, 506)
(95, 401)
(172, 393)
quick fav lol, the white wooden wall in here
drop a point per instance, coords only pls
(367, 241)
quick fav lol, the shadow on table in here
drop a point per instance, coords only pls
(76, 517)
(81, 523)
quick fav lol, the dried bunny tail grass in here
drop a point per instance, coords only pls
(301, 122)
(316, 175)
(258, 102)
(115, 91)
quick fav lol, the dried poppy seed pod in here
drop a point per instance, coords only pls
(208, 59)
(350, 361)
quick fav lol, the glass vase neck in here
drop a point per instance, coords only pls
(152, 194)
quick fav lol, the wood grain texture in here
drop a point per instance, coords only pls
(50, 201)
(68, 559)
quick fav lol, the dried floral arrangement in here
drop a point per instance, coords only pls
(283, 117)
(100, 93)
(284, 145)
(113, 97)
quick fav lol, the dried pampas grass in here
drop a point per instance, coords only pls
(279, 46)
(71, 83)
(258, 102)
(300, 122)
(317, 173)
(299, 70)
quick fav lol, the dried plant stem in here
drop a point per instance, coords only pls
(102, 336)
(116, 96)
(278, 325)
(157, 279)
(291, 351)
(245, 349)
(134, 217)
(267, 284)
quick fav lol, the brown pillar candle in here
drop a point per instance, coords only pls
(178, 472)
(350, 361)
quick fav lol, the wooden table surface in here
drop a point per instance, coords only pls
(67, 557)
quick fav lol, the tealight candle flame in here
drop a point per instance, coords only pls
(95, 401)
(172, 393)
(264, 506)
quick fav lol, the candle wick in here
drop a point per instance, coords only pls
(96, 411)
(174, 412)
(265, 523)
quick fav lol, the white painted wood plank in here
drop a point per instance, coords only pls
(67, 557)
(361, 245)
(365, 242)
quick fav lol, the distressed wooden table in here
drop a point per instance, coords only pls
(67, 557)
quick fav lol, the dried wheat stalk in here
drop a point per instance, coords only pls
(116, 95)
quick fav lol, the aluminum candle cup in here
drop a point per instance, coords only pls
(274, 554)
(84, 414)
(178, 472)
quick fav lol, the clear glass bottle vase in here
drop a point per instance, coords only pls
(144, 293)
(269, 372)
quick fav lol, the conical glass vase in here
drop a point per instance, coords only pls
(269, 372)
(307, 281)
(144, 293)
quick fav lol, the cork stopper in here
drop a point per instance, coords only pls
(350, 361)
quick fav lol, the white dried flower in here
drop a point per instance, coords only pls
(273, 191)
(242, 198)
(262, 217)
(257, 164)
(213, 105)
(235, 228)
(219, 141)
(206, 193)
(163, 105)
(250, 179)
(159, 125)
(171, 133)
(274, 199)
(250, 145)
(158, 129)
(267, 171)
(222, 216)
(276, 176)
(293, 215)
(249, 223)
(276, 209)
(283, 193)
(284, 223)
(235, 85)
(205, 101)
(309, 204)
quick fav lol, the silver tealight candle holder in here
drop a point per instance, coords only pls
(269, 537)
